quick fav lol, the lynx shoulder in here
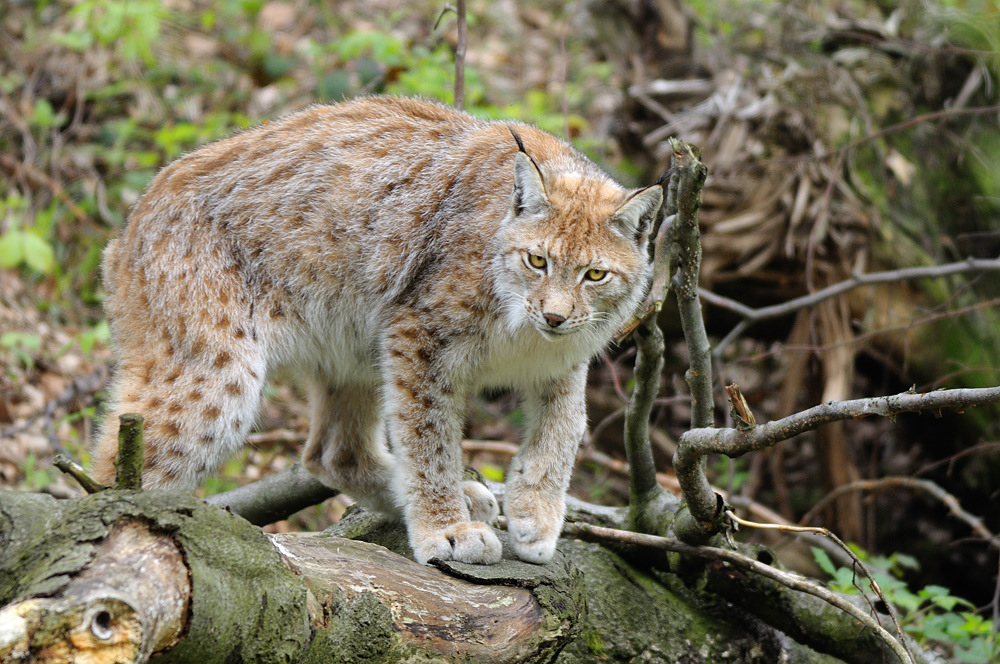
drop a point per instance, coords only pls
(398, 256)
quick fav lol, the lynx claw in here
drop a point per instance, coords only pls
(467, 542)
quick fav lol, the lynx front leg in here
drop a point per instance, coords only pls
(535, 502)
(424, 413)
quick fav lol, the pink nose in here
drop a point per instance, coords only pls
(554, 320)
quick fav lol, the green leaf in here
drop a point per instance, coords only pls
(75, 40)
(11, 249)
(979, 653)
(492, 472)
(99, 333)
(38, 253)
(823, 560)
(43, 115)
(905, 561)
(22, 340)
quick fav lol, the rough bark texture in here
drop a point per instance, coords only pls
(296, 598)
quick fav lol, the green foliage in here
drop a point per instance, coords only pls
(25, 246)
(35, 478)
(729, 473)
(972, 24)
(131, 28)
(932, 615)
(492, 472)
(156, 100)
(98, 334)
(23, 347)
(225, 479)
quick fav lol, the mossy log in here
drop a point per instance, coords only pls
(121, 576)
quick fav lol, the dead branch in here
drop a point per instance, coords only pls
(912, 483)
(274, 497)
(751, 315)
(694, 445)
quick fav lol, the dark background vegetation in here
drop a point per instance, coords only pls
(841, 137)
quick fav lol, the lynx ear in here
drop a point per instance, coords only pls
(634, 218)
(529, 188)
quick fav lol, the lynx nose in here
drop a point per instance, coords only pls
(554, 320)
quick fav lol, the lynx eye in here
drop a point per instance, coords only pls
(596, 274)
(536, 261)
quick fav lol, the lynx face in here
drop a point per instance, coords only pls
(575, 253)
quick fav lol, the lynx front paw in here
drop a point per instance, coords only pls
(468, 542)
(481, 502)
(531, 541)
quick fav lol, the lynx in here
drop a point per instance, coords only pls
(399, 256)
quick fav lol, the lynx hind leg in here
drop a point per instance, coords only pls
(346, 449)
(196, 413)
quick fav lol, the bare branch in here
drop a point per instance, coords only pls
(690, 176)
(275, 497)
(648, 366)
(678, 244)
(926, 486)
(76, 471)
(694, 445)
(751, 315)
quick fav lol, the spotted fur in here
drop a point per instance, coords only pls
(386, 250)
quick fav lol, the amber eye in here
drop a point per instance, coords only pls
(536, 261)
(596, 274)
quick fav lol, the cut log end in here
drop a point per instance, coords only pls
(109, 613)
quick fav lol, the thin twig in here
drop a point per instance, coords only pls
(492, 446)
(463, 38)
(76, 471)
(981, 447)
(788, 579)
(30, 172)
(857, 564)
(276, 436)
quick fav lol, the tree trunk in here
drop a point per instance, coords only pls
(118, 576)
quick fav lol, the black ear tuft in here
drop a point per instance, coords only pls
(666, 175)
(520, 143)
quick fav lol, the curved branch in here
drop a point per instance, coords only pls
(927, 486)
(648, 366)
(696, 444)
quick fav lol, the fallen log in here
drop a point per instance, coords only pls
(121, 576)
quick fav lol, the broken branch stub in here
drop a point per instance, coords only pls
(129, 460)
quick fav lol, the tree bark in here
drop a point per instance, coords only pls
(170, 575)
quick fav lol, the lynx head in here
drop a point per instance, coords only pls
(573, 247)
